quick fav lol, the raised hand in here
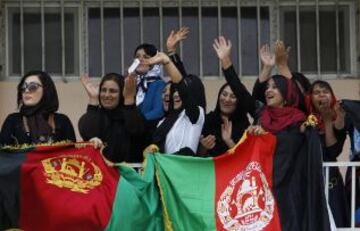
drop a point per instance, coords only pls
(281, 53)
(281, 58)
(175, 37)
(170, 68)
(268, 61)
(159, 58)
(129, 91)
(91, 88)
(266, 56)
(222, 48)
(208, 142)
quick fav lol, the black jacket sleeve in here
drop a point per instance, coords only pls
(245, 99)
(259, 91)
(335, 150)
(178, 63)
(191, 109)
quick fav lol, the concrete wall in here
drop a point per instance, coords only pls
(73, 98)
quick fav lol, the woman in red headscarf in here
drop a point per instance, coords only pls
(322, 103)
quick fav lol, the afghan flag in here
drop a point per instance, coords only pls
(254, 186)
(69, 188)
(229, 192)
(265, 183)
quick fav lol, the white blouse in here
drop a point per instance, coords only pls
(184, 133)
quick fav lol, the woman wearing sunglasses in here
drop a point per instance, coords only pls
(37, 120)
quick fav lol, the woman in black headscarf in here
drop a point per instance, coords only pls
(225, 125)
(37, 120)
(112, 116)
(179, 131)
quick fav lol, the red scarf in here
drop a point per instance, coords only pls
(277, 119)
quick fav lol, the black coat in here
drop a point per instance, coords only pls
(117, 129)
(13, 131)
(245, 105)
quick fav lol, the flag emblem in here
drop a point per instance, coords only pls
(75, 172)
(247, 203)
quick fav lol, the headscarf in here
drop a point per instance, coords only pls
(311, 107)
(37, 116)
(109, 126)
(277, 119)
(213, 123)
(159, 136)
(115, 113)
(303, 86)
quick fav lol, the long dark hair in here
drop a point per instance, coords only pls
(49, 100)
(236, 113)
(37, 115)
(287, 89)
(321, 84)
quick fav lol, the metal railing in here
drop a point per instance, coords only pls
(340, 165)
(267, 20)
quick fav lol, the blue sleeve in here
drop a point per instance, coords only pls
(156, 111)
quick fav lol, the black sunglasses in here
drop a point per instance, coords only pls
(31, 87)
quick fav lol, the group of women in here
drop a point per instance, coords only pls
(127, 113)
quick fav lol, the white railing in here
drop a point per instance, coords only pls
(342, 165)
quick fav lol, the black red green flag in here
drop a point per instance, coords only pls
(56, 188)
(66, 187)
(264, 183)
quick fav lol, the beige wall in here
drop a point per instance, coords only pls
(73, 98)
